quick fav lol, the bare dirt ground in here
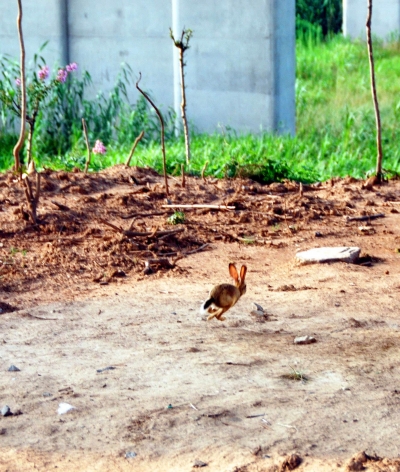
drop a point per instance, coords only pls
(78, 296)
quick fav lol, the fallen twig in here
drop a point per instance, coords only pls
(211, 207)
(255, 416)
(60, 206)
(141, 233)
(287, 426)
(143, 215)
(365, 218)
(187, 253)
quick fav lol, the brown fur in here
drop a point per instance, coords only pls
(224, 296)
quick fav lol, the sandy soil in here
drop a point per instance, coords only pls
(232, 396)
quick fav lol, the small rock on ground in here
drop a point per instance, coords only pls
(304, 340)
(200, 464)
(329, 254)
(13, 368)
(130, 455)
(6, 411)
(291, 462)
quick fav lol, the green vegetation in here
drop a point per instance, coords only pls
(335, 123)
(177, 218)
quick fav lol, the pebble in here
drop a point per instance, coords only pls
(304, 340)
(13, 368)
(64, 408)
(130, 455)
(329, 254)
(6, 411)
(200, 464)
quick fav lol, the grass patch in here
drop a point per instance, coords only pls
(335, 125)
(296, 375)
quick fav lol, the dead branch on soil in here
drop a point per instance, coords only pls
(162, 131)
(186, 253)
(128, 161)
(85, 132)
(132, 234)
(143, 215)
(21, 139)
(182, 45)
(374, 94)
(60, 206)
(210, 207)
(365, 218)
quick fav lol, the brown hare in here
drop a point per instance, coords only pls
(224, 296)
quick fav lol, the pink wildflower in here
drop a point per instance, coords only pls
(99, 148)
(61, 75)
(18, 82)
(44, 73)
(71, 67)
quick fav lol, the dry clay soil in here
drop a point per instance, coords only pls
(183, 393)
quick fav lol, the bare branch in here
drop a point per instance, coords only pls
(162, 131)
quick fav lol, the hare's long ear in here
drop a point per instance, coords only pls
(233, 272)
(243, 271)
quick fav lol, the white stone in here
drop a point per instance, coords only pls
(64, 408)
(304, 340)
(328, 254)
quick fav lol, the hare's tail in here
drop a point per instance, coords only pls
(208, 306)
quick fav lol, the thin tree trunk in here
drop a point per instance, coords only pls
(183, 105)
(374, 95)
(21, 139)
(29, 145)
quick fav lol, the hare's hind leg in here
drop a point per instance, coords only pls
(215, 314)
(219, 316)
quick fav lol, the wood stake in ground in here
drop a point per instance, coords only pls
(162, 132)
(182, 45)
(21, 139)
(374, 94)
(183, 175)
(85, 133)
(128, 161)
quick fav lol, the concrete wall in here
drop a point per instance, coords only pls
(43, 20)
(385, 18)
(240, 67)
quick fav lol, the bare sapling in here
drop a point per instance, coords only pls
(162, 131)
(32, 198)
(374, 95)
(20, 143)
(182, 45)
(128, 161)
